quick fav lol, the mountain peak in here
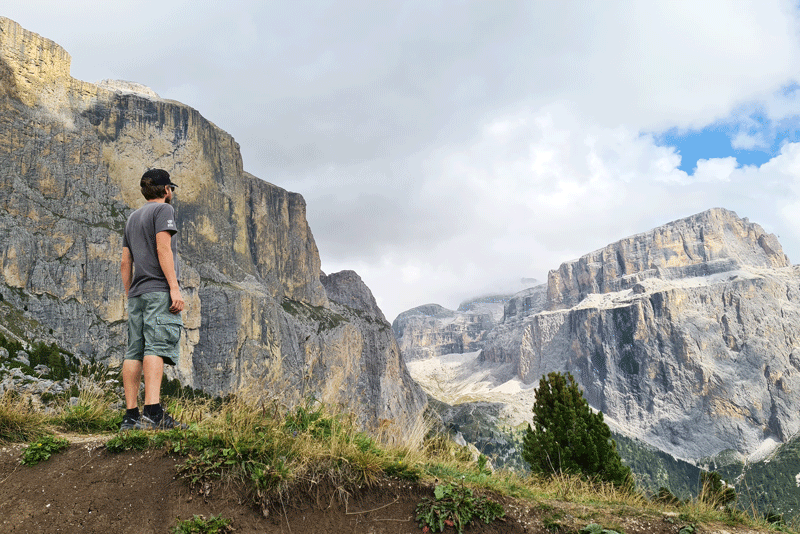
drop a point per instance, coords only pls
(713, 241)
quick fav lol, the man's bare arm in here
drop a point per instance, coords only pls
(126, 268)
(167, 262)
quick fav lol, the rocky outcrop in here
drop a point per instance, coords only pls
(347, 289)
(432, 330)
(687, 336)
(711, 242)
(258, 316)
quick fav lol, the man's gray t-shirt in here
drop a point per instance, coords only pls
(140, 238)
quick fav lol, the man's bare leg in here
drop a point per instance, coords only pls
(153, 371)
(131, 378)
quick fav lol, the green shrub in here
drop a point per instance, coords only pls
(11, 346)
(455, 506)
(200, 525)
(774, 518)
(665, 496)
(42, 449)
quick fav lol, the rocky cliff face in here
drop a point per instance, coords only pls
(258, 316)
(687, 336)
(432, 330)
(707, 243)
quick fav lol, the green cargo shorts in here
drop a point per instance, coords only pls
(152, 329)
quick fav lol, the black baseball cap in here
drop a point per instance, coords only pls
(158, 177)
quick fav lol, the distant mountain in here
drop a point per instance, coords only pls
(687, 337)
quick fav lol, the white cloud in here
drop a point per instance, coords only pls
(715, 169)
(746, 141)
(599, 185)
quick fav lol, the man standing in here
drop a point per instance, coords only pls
(154, 302)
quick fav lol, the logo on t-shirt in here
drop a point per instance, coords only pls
(170, 223)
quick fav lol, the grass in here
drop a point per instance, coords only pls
(19, 420)
(271, 451)
(92, 412)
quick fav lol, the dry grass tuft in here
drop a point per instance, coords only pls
(19, 420)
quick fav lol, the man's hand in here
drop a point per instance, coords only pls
(177, 303)
(167, 263)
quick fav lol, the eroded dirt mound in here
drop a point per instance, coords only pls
(86, 489)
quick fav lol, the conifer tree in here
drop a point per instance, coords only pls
(568, 437)
(55, 361)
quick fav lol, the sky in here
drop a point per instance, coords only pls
(450, 149)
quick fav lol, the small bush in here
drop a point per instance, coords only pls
(455, 506)
(12, 346)
(135, 440)
(200, 525)
(42, 449)
(665, 496)
(714, 491)
(774, 518)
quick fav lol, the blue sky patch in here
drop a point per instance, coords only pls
(716, 141)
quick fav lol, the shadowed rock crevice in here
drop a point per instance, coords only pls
(8, 85)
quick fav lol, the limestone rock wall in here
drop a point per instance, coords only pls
(71, 155)
(686, 336)
(33, 66)
(347, 288)
(694, 370)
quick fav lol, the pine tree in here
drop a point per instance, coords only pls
(10, 345)
(568, 437)
(55, 361)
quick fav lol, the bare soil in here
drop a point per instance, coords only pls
(86, 489)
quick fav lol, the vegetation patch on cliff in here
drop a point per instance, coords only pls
(325, 318)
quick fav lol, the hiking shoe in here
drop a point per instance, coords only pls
(166, 422)
(128, 423)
